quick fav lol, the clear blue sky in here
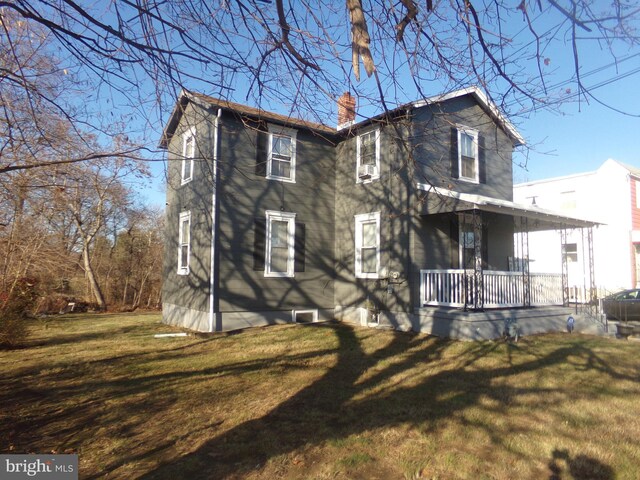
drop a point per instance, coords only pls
(582, 137)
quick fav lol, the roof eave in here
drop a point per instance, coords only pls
(174, 119)
(496, 205)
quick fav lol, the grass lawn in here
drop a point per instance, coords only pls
(320, 402)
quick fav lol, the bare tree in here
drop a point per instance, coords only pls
(41, 106)
(295, 55)
(136, 260)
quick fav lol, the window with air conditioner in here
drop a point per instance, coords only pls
(368, 156)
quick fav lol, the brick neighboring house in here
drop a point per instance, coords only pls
(405, 219)
(609, 195)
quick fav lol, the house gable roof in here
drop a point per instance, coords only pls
(480, 97)
(485, 102)
(206, 101)
(210, 102)
(634, 171)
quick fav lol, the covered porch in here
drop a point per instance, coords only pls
(477, 285)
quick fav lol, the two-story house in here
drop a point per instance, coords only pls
(610, 195)
(387, 221)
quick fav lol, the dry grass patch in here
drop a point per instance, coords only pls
(320, 402)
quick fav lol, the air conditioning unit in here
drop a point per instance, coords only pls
(366, 171)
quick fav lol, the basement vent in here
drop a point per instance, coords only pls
(305, 316)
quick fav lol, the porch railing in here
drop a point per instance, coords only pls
(458, 288)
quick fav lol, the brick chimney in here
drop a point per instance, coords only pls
(346, 109)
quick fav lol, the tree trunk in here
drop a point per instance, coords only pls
(124, 293)
(91, 277)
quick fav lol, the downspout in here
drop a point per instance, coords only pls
(212, 283)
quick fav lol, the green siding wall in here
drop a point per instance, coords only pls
(388, 195)
(191, 291)
(431, 142)
(325, 198)
(246, 196)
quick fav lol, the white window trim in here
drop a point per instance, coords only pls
(472, 133)
(290, 218)
(282, 131)
(359, 220)
(190, 133)
(184, 269)
(377, 159)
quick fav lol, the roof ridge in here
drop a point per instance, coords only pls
(260, 112)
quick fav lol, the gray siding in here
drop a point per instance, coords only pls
(431, 144)
(417, 151)
(389, 195)
(246, 196)
(325, 198)
(189, 291)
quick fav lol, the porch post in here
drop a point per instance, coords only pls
(526, 275)
(478, 294)
(593, 294)
(565, 267)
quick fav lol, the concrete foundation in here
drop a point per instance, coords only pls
(460, 325)
(228, 321)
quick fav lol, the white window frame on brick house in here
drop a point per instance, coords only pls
(188, 154)
(361, 220)
(289, 218)
(184, 243)
(463, 134)
(376, 156)
(276, 134)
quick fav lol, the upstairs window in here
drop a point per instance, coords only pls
(188, 154)
(367, 245)
(281, 155)
(368, 156)
(280, 243)
(468, 165)
(184, 243)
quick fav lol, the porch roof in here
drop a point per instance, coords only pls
(441, 200)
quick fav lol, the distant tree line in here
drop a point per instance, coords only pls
(77, 234)
(71, 226)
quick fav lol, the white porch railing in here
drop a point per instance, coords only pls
(500, 289)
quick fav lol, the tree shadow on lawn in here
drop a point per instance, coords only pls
(112, 398)
(71, 402)
(348, 406)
